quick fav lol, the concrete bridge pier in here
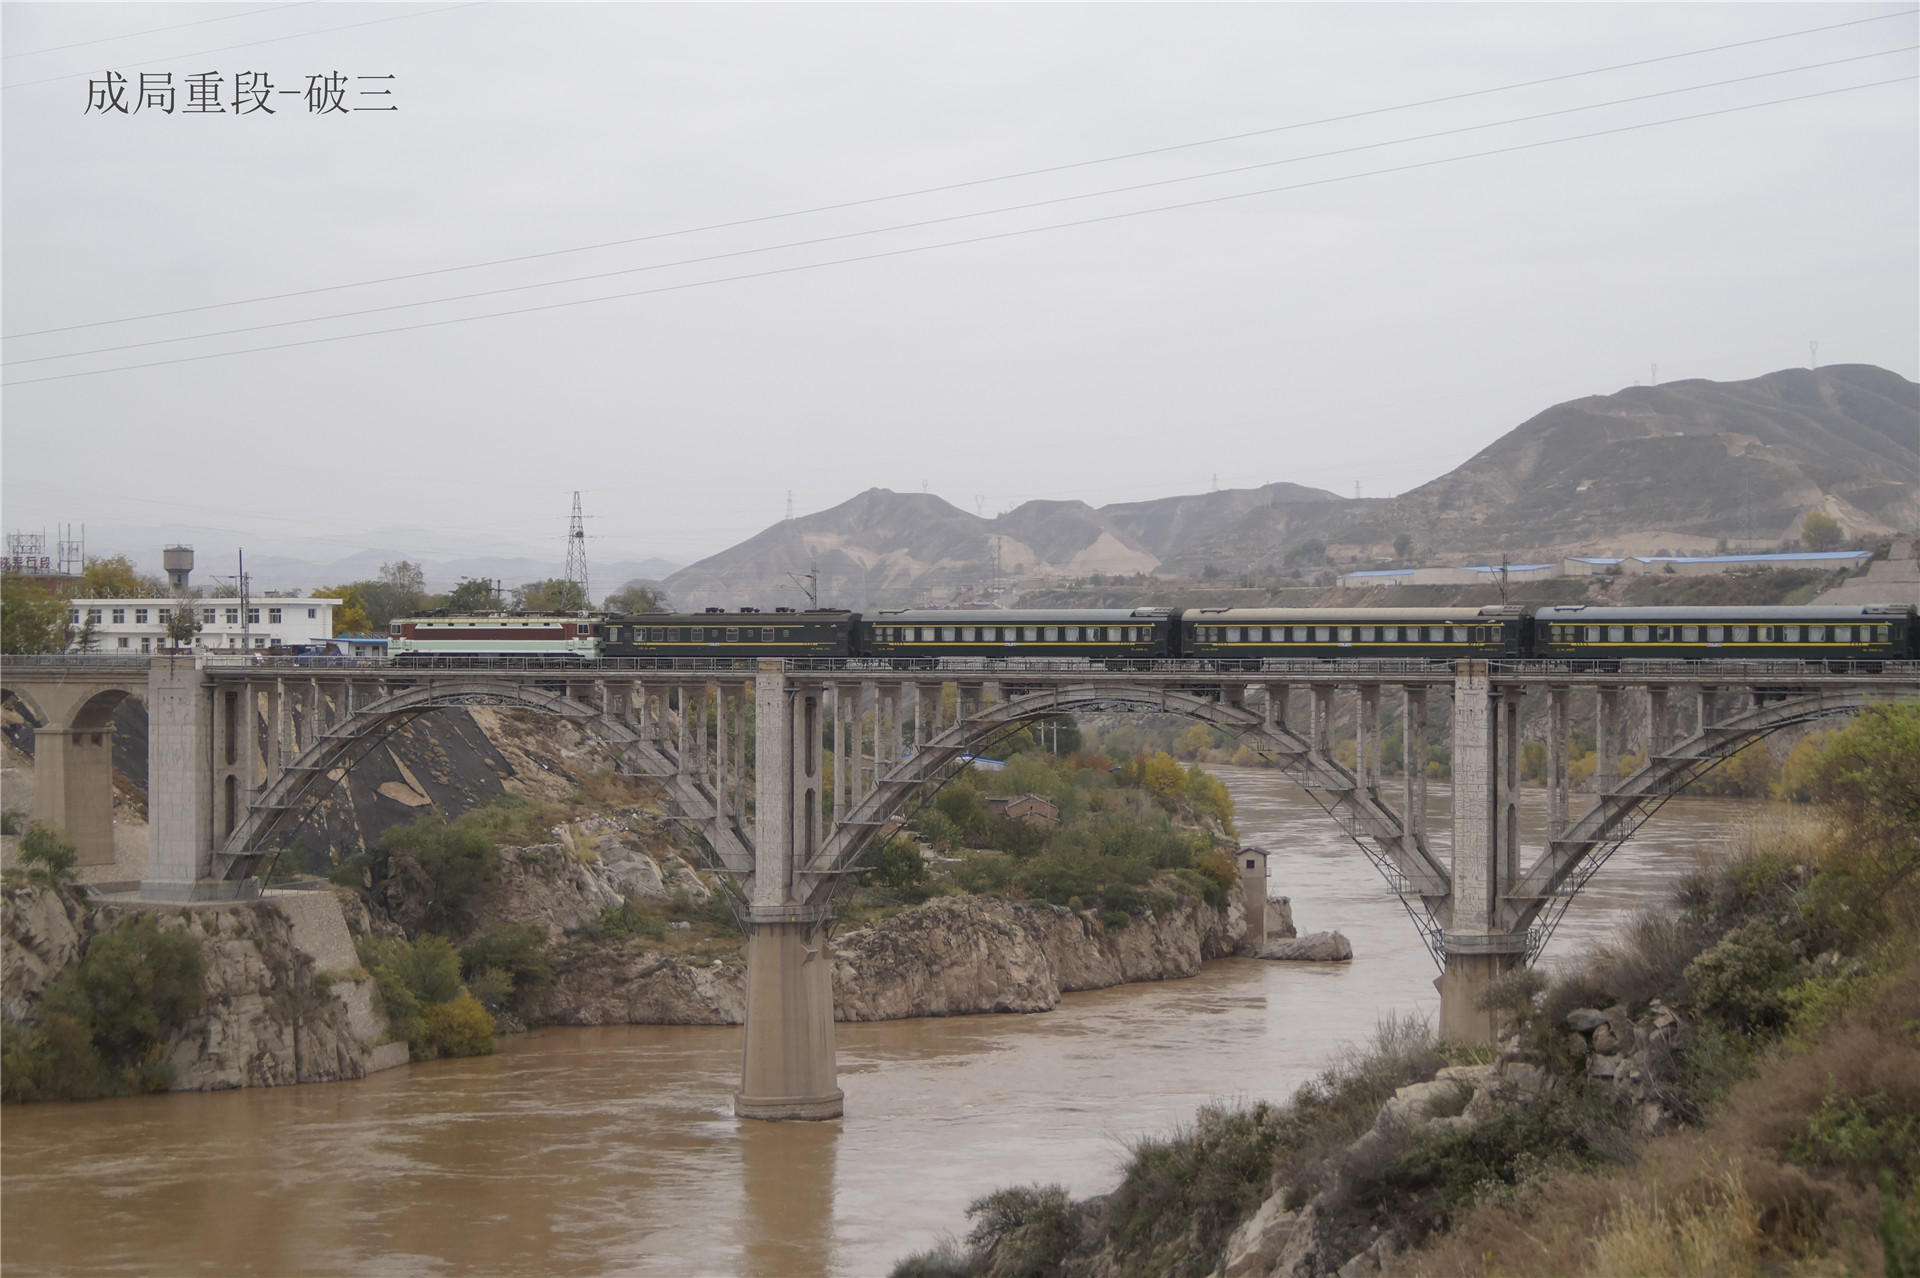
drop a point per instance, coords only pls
(787, 1069)
(73, 786)
(1479, 947)
(180, 752)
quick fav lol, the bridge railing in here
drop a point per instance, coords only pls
(1727, 670)
(89, 662)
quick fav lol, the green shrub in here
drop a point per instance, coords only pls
(893, 863)
(459, 857)
(1743, 978)
(1029, 1230)
(493, 987)
(626, 920)
(1863, 1136)
(518, 949)
(47, 854)
(459, 1027)
(103, 1024)
(354, 872)
(413, 980)
(12, 821)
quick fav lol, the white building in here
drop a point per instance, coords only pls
(140, 625)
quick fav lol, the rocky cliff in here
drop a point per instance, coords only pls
(950, 957)
(270, 1015)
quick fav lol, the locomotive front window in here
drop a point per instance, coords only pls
(1641, 634)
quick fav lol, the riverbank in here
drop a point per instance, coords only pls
(1729, 1088)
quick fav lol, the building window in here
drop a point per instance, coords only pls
(73, 616)
(233, 616)
(273, 616)
(93, 616)
(140, 616)
(206, 616)
(124, 643)
(166, 616)
(260, 641)
(253, 616)
(119, 616)
(312, 613)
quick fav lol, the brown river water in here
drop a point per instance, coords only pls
(614, 1150)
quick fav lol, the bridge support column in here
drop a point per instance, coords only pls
(180, 749)
(73, 787)
(1606, 740)
(1322, 732)
(1659, 722)
(787, 1068)
(1366, 734)
(1413, 767)
(1559, 743)
(1275, 711)
(1478, 947)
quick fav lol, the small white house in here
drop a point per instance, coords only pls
(128, 626)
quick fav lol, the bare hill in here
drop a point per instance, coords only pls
(1675, 467)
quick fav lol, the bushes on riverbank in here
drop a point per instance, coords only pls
(1137, 836)
(420, 992)
(101, 1026)
(1731, 1088)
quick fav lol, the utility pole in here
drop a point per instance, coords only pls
(809, 585)
(789, 505)
(577, 553)
(1653, 375)
(246, 606)
(1813, 355)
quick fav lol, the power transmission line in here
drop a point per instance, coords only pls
(130, 35)
(952, 217)
(971, 240)
(973, 182)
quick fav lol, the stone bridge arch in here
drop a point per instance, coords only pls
(70, 706)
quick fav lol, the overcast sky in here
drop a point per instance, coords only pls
(1362, 326)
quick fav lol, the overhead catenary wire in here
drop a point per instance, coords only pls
(947, 219)
(973, 182)
(971, 240)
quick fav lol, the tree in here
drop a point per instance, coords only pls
(635, 598)
(473, 594)
(556, 594)
(1869, 781)
(182, 626)
(115, 577)
(47, 853)
(350, 618)
(32, 617)
(399, 590)
(1403, 545)
(1821, 531)
(1310, 552)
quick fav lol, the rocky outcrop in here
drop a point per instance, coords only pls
(1314, 947)
(270, 1015)
(630, 983)
(966, 954)
(42, 931)
(951, 957)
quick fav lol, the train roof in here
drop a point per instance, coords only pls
(1018, 616)
(733, 614)
(1567, 614)
(1334, 616)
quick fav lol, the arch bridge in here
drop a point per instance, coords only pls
(241, 749)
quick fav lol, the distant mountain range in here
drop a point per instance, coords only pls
(1678, 466)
